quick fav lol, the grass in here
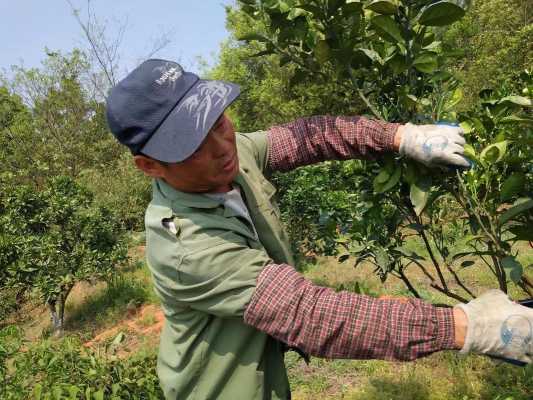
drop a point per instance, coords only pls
(131, 288)
(443, 376)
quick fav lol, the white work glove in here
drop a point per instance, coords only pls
(498, 327)
(434, 145)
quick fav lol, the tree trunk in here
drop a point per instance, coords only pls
(57, 323)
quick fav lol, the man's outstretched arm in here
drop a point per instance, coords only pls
(324, 323)
(315, 139)
(346, 325)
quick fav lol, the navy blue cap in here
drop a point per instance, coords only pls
(164, 112)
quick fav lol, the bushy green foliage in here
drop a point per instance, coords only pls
(336, 190)
(53, 238)
(65, 370)
(494, 40)
(120, 187)
(51, 125)
(56, 128)
(271, 93)
(390, 53)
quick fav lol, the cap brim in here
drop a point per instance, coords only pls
(187, 125)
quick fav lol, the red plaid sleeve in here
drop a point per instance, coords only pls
(327, 324)
(314, 139)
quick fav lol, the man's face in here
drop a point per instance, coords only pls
(211, 168)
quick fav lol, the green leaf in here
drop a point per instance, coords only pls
(522, 232)
(426, 63)
(518, 100)
(408, 253)
(387, 28)
(283, 7)
(382, 259)
(372, 55)
(512, 186)
(352, 6)
(356, 247)
(411, 172)
(317, 11)
(99, 395)
(519, 206)
(415, 227)
(57, 392)
(322, 51)
(434, 47)
(467, 263)
(383, 7)
(382, 177)
(456, 98)
(73, 392)
(382, 187)
(470, 152)
(512, 119)
(37, 391)
(493, 153)
(458, 256)
(253, 36)
(118, 339)
(441, 13)
(513, 268)
(295, 13)
(420, 194)
(262, 53)
(397, 64)
(466, 126)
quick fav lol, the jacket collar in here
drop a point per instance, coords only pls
(191, 200)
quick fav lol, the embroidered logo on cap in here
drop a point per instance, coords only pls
(168, 74)
(199, 105)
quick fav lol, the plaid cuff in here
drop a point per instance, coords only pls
(320, 138)
(345, 325)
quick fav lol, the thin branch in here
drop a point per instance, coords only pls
(458, 280)
(449, 294)
(432, 256)
(424, 271)
(405, 280)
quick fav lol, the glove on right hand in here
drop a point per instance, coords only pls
(434, 145)
(499, 327)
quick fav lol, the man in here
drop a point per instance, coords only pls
(220, 259)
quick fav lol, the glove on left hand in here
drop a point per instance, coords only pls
(499, 327)
(434, 145)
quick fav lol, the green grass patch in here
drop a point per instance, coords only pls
(127, 291)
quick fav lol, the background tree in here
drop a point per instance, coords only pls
(53, 238)
(494, 40)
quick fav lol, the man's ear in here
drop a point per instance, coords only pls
(149, 166)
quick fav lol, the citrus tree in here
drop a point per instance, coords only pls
(390, 52)
(54, 238)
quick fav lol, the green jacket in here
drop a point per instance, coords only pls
(205, 275)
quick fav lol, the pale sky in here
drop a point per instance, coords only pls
(28, 26)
